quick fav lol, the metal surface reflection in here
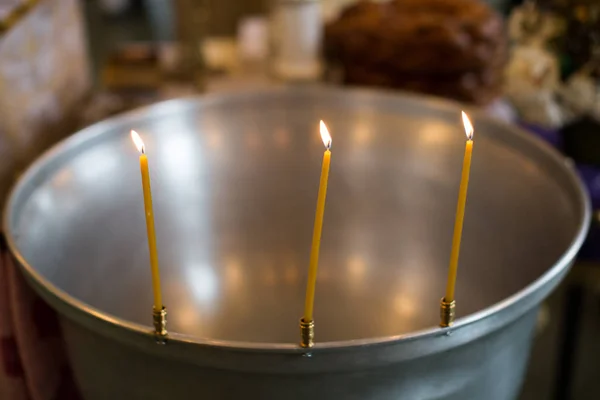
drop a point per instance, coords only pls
(235, 181)
(234, 191)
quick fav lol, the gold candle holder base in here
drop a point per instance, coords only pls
(447, 313)
(307, 334)
(159, 318)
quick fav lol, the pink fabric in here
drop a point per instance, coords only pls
(32, 357)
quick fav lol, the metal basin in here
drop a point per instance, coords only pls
(234, 182)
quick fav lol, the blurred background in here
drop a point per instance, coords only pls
(65, 64)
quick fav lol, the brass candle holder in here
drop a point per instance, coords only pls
(447, 312)
(159, 318)
(307, 334)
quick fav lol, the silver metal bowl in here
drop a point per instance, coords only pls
(235, 181)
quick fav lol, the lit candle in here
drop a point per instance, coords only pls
(460, 211)
(316, 240)
(137, 140)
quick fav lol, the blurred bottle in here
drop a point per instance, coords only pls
(162, 19)
(297, 28)
(191, 18)
(253, 43)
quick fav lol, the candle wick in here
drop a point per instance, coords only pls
(143, 149)
(328, 145)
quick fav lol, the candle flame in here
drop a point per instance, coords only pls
(325, 135)
(468, 126)
(139, 143)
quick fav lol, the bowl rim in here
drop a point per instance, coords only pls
(74, 307)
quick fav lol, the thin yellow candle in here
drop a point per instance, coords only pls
(460, 211)
(316, 240)
(137, 140)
